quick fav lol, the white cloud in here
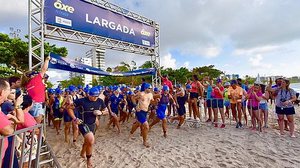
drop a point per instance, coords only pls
(57, 75)
(257, 62)
(256, 50)
(186, 64)
(168, 61)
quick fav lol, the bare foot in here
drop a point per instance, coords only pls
(89, 163)
(178, 127)
(146, 144)
(165, 135)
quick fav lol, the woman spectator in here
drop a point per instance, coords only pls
(195, 92)
(218, 103)
(285, 96)
(33, 82)
(254, 96)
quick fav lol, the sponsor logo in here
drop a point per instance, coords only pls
(63, 21)
(145, 33)
(59, 5)
(72, 66)
(53, 61)
(146, 43)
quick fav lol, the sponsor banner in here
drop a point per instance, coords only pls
(86, 17)
(66, 64)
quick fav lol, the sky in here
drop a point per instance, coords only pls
(237, 36)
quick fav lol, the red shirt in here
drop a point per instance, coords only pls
(168, 83)
(3, 123)
(29, 121)
(217, 94)
(36, 88)
(195, 87)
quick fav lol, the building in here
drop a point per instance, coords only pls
(98, 57)
(87, 79)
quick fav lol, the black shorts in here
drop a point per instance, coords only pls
(194, 95)
(252, 108)
(209, 103)
(218, 103)
(285, 111)
(86, 128)
(181, 110)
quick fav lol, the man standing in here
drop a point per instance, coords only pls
(144, 99)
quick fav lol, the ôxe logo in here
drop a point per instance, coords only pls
(59, 5)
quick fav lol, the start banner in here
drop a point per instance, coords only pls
(85, 17)
(61, 63)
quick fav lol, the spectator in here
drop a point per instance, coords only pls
(33, 82)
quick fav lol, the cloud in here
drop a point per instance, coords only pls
(168, 61)
(257, 50)
(186, 64)
(256, 62)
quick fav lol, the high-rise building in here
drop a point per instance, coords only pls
(87, 79)
(98, 57)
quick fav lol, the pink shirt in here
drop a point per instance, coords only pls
(29, 121)
(217, 94)
(36, 88)
(168, 83)
(3, 123)
(195, 87)
(252, 101)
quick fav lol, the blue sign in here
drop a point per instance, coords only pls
(86, 17)
(61, 63)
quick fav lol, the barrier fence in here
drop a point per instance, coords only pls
(26, 146)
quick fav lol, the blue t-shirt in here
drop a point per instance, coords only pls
(208, 92)
(88, 107)
(115, 102)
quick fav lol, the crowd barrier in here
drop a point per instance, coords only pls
(26, 146)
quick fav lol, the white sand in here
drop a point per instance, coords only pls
(187, 147)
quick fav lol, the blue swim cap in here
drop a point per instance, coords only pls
(219, 80)
(233, 82)
(188, 86)
(130, 93)
(156, 89)
(147, 86)
(86, 90)
(94, 91)
(115, 88)
(138, 88)
(51, 91)
(80, 87)
(67, 90)
(165, 88)
(178, 85)
(72, 88)
(58, 91)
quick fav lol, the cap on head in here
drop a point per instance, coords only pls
(130, 93)
(80, 87)
(138, 88)
(156, 89)
(147, 86)
(94, 92)
(72, 88)
(233, 82)
(188, 86)
(178, 85)
(51, 91)
(227, 84)
(219, 80)
(165, 88)
(58, 91)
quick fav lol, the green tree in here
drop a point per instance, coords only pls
(14, 52)
(210, 71)
(73, 81)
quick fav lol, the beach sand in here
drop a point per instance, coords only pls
(186, 147)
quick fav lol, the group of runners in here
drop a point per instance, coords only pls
(80, 107)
